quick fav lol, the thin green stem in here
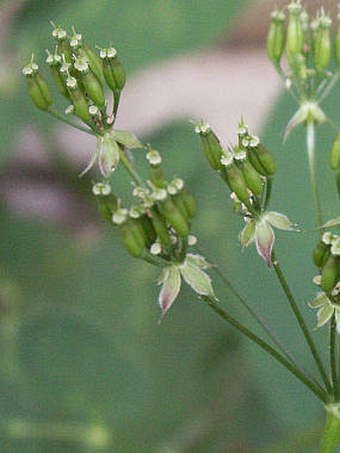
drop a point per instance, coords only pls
(129, 168)
(312, 171)
(282, 279)
(319, 393)
(331, 435)
(116, 99)
(60, 117)
(332, 354)
(269, 186)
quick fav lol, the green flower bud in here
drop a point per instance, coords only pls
(156, 173)
(37, 86)
(160, 226)
(179, 203)
(211, 145)
(133, 237)
(330, 274)
(295, 34)
(253, 179)
(235, 179)
(63, 43)
(92, 85)
(107, 202)
(337, 43)
(55, 62)
(322, 42)
(78, 99)
(265, 160)
(335, 154)
(113, 70)
(321, 254)
(149, 229)
(189, 203)
(175, 217)
(276, 37)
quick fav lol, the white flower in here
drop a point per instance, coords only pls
(191, 270)
(261, 232)
(326, 309)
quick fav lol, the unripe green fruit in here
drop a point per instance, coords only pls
(60, 82)
(149, 229)
(160, 226)
(157, 176)
(276, 37)
(322, 50)
(93, 88)
(335, 154)
(39, 91)
(178, 202)
(252, 177)
(237, 183)
(114, 73)
(133, 237)
(212, 149)
(330, 274)
(93, 60)
(294, 43)
(266, 160)
(189, 202)
(337, 45)
(176, 219)
(320, 254)
(79, 102)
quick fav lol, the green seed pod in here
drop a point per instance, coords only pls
(321, 254)
(252, 177)
(79, 101)
(265, 159)
(337, 43)
(174, 216)
(93, 60)
(149, 229)
(132, 236)
(37, 86)
(211, 146)
(91, 83)
(335, 154)
(107, 202)
(113, 70)
(295, 34)
(236, 182)
(322, 43)
(63, 44)
(330, 274)
(160, 226)
(55, 62)
(189, 203)
(276, 37)
(179, 203)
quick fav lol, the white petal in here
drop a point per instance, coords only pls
(93, 159)
(198, 280)
(280, 221)
(126, 138)
(324, 314)
(246, 236)
(198, 261)
(264, 239)
(320, 300)
(171, 280)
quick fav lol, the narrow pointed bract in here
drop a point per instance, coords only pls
(264, 240)
(171, 281)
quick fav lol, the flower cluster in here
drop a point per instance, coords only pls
(247, 168)
(326, 257)
(308, 46)
(156, 226)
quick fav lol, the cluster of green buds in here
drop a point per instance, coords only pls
(82, 77)
(156, 228)
(326, 257)
(308, 47)
(248, 169)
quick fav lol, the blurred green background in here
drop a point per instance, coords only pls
(84, 365)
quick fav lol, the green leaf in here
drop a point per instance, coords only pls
(171, 280)
(126, 138)
(324, 314)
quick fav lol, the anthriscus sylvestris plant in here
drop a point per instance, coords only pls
(156, 226)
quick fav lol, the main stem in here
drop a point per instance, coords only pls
(318, 392)
(331, 435)
(311, 159)
(282, 279)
